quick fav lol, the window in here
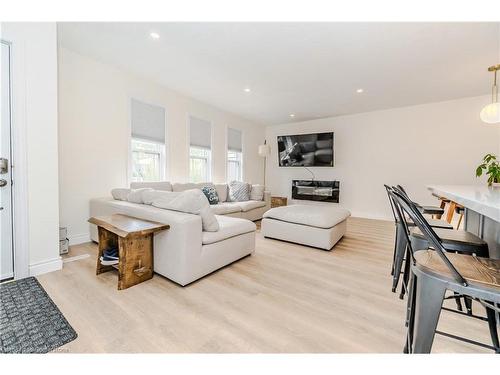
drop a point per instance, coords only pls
(200, 150)
(234, 155)
(199, 164)
(233, 166)
(147, 160)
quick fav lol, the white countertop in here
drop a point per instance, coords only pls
(482, 199)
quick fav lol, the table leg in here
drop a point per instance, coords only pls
(136, 260)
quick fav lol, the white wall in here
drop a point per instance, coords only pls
(34, 101)
(437, 143)
(94, 131)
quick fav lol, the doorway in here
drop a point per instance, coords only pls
(6, 208)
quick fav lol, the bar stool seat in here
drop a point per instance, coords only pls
(479, 271)
(435, 223)
(453, 240)
(431, 210)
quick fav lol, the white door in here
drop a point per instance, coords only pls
(6, 243)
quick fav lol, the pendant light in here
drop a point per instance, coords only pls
(491, 113)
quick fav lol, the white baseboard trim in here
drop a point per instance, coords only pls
(79, 238)
(46, 266)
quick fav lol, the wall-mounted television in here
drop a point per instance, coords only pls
(306, 150)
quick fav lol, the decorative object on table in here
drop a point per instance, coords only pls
(264, 151)
(492, 167)
(490, 114)
(278, 201)
(211, 194)
(133, 238)
(30, 322)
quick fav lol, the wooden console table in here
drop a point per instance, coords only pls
(134, 239)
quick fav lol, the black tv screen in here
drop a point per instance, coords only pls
(305, 150)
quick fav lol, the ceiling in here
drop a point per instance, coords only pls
(311, 70)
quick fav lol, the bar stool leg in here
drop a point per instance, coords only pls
(398, 259)
(451, 211)
(410, 313)
(492, 324)
(429, 299)
(406, 275)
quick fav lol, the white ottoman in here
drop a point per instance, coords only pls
(318, 226)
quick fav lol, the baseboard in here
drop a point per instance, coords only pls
(79, 238)
(46, 266)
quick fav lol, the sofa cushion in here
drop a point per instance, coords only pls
(194, 202)
(120, 194)
(225, 208)
(148, 197)
(239, 191)
(228, 227)
(250, 205)
(135, 195)
(211, 194)
(159, 185)
(190, 186)
(257, 193)
(320, 216)
(221, 192)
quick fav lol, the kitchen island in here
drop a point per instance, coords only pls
(482, 210)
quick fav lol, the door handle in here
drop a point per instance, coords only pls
(3, 183)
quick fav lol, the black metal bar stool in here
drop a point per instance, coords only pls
(433, 272)
(400, 243)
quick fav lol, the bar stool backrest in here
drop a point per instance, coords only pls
(405, 205)
(388, 189)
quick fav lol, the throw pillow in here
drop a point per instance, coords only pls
(135, 195)
(120, 194)
(257, 193)
(211, 194)
(221, 192)
(239, 191)
(192, 202)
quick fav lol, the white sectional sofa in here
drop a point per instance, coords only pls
(185, 252)
(251, 210)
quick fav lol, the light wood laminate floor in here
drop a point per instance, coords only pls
(283, 298)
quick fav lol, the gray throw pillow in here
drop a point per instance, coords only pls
(239, 191)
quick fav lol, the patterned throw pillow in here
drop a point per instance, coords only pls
(211, 194)
(239, 191)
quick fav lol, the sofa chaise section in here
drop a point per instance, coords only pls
(185, 253)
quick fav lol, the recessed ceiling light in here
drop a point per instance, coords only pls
(292, 115)
(359, 91)
(247, 89)
(154, 35)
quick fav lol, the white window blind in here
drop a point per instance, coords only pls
(234, 142)
(148, 121)
(200, 133)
